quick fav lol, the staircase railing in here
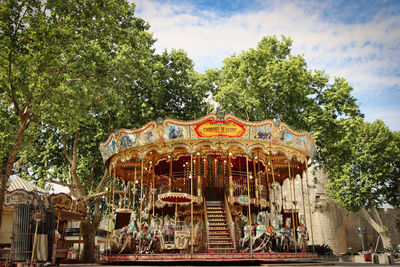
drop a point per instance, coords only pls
(207, 226)
(230, 222)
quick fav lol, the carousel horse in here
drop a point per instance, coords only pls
(276, 224)
(153, 234)
(167, 231)
(302, 235)
(128, 235)
(210, 100)
(262, 237)
(286, 234)
(247, 229)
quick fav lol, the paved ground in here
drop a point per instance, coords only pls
(275, 264)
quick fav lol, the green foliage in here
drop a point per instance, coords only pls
(391, 250)
(58, 58)
(270, 83)
(323, 249)
(365, 169)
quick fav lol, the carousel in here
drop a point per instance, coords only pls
(218, 188)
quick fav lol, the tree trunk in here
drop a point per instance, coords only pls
(89, 229)
(5, 171)
(378, 226)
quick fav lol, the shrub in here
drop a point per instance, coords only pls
(324, 249)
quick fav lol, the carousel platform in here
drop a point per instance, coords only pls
(209, 257)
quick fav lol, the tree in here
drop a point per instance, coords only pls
(364, 175)
(66, 152)
(57, 59)
(270, 83)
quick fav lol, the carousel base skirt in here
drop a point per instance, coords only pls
(209, 257)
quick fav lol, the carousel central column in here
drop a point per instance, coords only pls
(249, 203)
(191, 202)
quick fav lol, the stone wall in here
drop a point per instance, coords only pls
(335, 226)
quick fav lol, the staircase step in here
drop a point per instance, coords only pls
(219, 237)
(220, 244)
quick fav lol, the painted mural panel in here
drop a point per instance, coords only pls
(113, 147)
(173, 131)
(128, 140)
(301, 142)
(285, 137)
(263, 132)
(148, 136)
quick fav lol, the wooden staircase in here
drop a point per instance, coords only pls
(219, 238)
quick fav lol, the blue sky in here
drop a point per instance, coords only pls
(357, 40)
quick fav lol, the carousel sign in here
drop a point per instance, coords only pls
(220, 128)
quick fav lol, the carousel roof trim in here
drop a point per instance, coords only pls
(22, 184)
(207, 128)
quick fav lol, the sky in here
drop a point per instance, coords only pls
(354, 39)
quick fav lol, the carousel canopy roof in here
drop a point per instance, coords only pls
(219, 133)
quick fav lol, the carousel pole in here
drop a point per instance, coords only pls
(113, 199)
(256, 195)
(141, 199)
(309, 206)
(248, 196)
(267, 179)
(125, 191)
(108, 212)
(199, 185)
(230, 175)
(170, 174)
(259, 179)
(129, 194)
(291, 198)
(273, 181)
(294, 198)
(191, 202)
(154, 185)
(304, 204)
(134, 190)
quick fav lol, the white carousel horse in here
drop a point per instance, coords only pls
(210, 100)
(302, 235)
(261, 228)
(276, 224)
(246, 231)
(262, 236)
(129, 234)
(286, 234)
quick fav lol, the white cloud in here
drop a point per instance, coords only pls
(366, 54)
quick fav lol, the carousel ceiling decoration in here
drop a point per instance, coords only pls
(269, 134)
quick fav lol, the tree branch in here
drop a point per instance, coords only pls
(96, 195)
(369, 218)
(74, 164)
(100, 186)
(65, 151)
